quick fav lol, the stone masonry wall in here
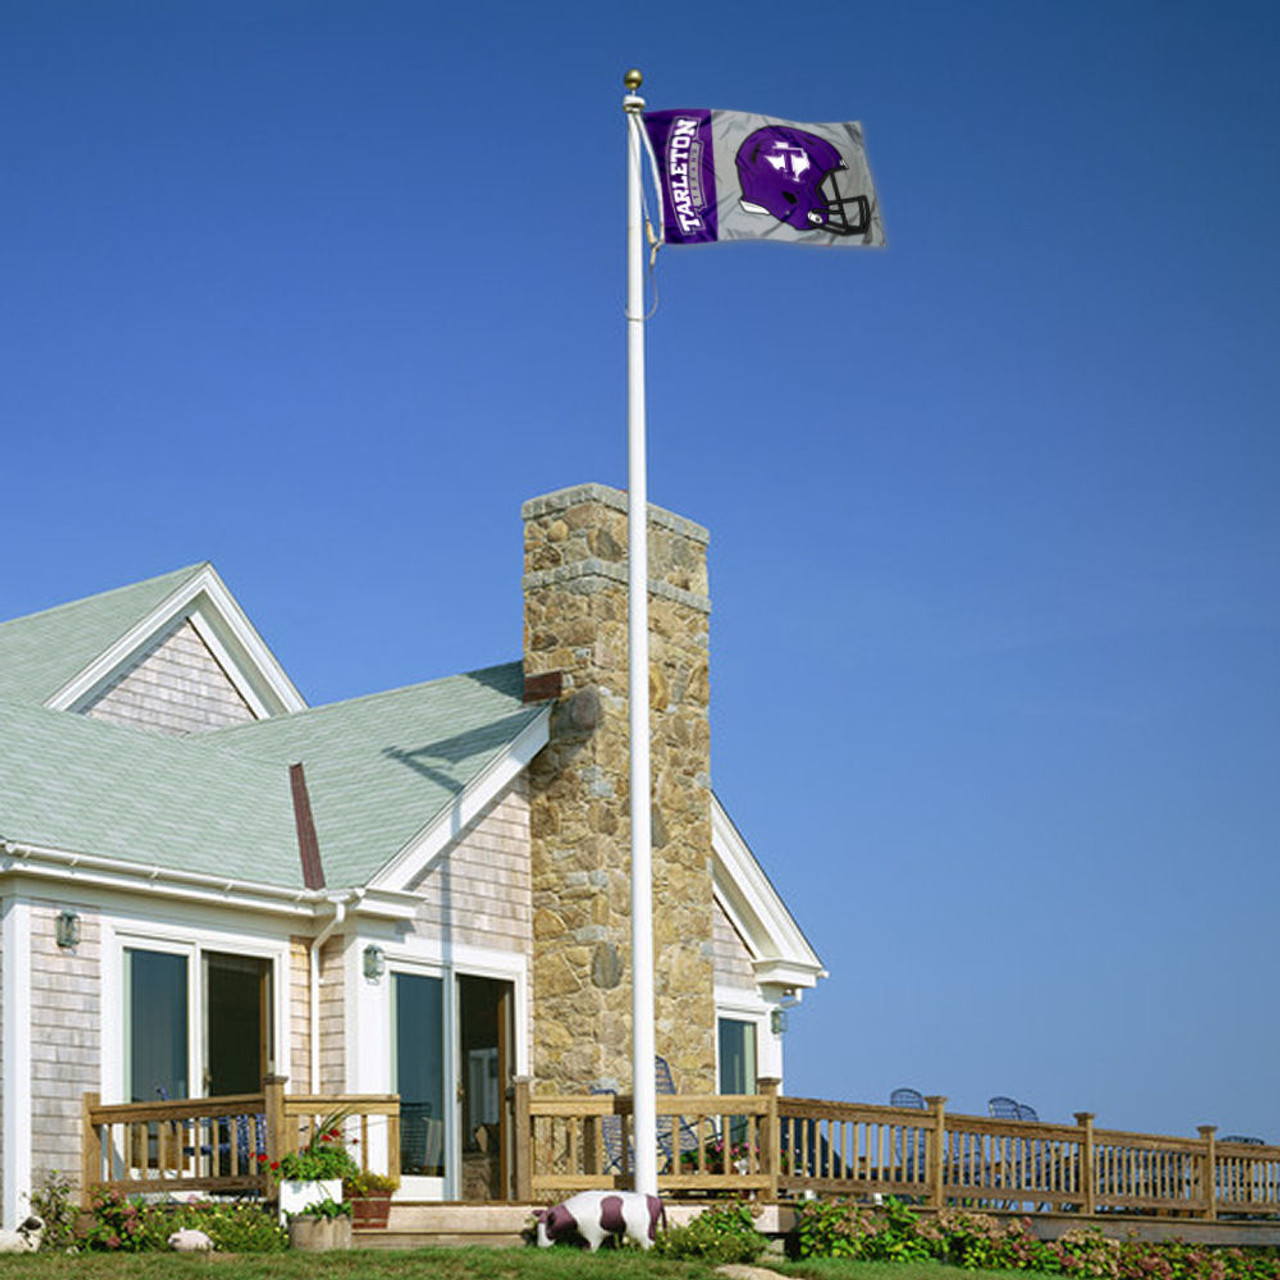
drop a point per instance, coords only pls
(576, 623)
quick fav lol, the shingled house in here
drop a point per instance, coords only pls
(206, 882)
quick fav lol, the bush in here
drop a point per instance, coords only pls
(121, 1225)
(721, 1234)
(54, 1202)
(840, 1229)
(967, 1238)
(235, 1226)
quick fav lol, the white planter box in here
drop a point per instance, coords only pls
(297, 1196)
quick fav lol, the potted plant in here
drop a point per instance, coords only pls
(323, 1225)
(370, 1197)
(314, 1175)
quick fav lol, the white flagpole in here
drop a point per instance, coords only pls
(642, 1041)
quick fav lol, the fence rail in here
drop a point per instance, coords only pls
(225, 1145)
(775, 1147)
(760, 1144)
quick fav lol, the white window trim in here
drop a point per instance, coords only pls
(121, 934)
(428, 958)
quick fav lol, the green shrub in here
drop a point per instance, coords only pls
(968, 1238)
(120, 1225)
(721, 1234)
(235, 1226)
(54, 1202)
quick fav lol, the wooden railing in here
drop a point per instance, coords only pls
(225, 1145)
(785, 1147)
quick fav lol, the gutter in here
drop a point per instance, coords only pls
(109, 872)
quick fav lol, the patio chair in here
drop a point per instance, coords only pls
(908, 1141)
(1242, 1138)
(1002, 1108)
(686, 1135)
(610, 1134)
(907, 1098)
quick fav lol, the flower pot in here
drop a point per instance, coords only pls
(371, 1210)
(298, 1197)
(316, 1234)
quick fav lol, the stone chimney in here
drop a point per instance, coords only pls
(575, 624)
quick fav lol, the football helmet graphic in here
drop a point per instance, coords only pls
(791, 174)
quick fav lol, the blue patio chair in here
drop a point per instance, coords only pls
(610, 1134)
(685, 1136)
(1002, 1108)
(908, 1143)
(1246, 1141)
(907, 1098)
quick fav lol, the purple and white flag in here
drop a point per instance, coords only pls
(732, 175)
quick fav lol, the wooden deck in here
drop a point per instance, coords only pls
(764, 1147)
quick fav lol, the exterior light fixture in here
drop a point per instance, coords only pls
(778, 1022)
(375, 962)
(67, 929)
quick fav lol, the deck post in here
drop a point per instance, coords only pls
(273, 1109)
(90, 1147)
(1208, 1178)
(522, 1140)
(1088, 1189)
(771, 1139)
(937, 1144)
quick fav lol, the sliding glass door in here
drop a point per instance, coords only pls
(418, 1033)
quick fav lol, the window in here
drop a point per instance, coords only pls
(418, 1018)
(155, 995)
(186, 1040)
(737, 1056)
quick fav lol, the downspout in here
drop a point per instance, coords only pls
(339, 918)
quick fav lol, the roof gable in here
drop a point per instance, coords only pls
(203, 599)
(42, 652)
(780, 953)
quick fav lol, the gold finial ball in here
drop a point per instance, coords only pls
(632, 80)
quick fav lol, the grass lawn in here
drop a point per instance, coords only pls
(442, 1264)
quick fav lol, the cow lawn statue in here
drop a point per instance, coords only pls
(593, 1215)
(26, 1239)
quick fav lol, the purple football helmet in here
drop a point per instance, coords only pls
(791, 174)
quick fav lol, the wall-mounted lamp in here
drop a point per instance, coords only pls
(778, 1022)
(67, 929)
(375, 962)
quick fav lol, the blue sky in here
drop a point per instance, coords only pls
(322, 291)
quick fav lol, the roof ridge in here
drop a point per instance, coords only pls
(183, 574)
(293, 717)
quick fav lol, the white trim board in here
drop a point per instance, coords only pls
(214, 612)
(780, 953)
(405, 871)
(17, 1057)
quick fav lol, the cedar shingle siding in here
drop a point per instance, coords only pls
(176, 687)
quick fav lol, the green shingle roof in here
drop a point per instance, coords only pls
(378, 770)
(84, 786)
(41, 652)
(381, 768)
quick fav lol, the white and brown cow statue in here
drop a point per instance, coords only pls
(596, 1214)
(26, 1239)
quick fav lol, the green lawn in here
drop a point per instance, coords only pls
(441, 1264)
